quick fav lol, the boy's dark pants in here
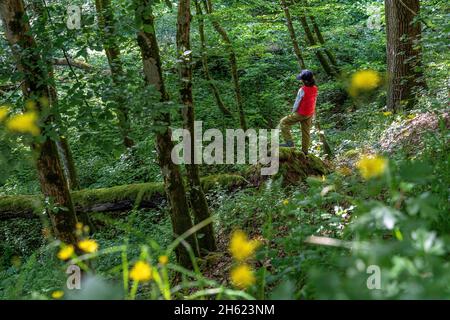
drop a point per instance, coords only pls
(306, 123)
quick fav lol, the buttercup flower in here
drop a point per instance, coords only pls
(242, 276)
(57, 294)
(163, 260)
(365, 80)
(24, 123)
(141, 271)
(88, 245)
(240, 247)
(3, 112)
(66, 252)
(371, 167)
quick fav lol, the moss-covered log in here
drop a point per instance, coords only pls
(294, 167)
(120, 198)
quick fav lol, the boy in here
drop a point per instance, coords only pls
(302, 112)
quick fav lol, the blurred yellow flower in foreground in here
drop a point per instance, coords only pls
(141, 271)
(24, 123)
(387, 113)
(88, 245)
(371, 167)
(163, 260)
(3, 112)
(286, 202)
(66, 252)
(364, 80)
(57, 294)
(240, 247)
(242, 276)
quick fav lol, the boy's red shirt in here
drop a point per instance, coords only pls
(308, 103)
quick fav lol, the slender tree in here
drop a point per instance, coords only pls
(204, 56)
(197, 196)
(320, 38)
(403, 31)
(174, 185)
(327, 67)
(34, 87)
(233, 61)
(297, 51)
(106, 22)
(45, 42)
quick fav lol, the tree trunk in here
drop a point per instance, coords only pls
(212, 85)
(320, 38)
(34, 86)
(233, 62)
(292, 34)
(106, 24)
(174, 186)
(312, 42)
(403, 52)
(197, 196)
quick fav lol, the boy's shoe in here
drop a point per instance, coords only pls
(288, 144)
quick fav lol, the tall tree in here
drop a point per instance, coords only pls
(297, 51)
(320, 37)
(174, 185)
(327, 67)
(233, 61)
(106, 22)
(204, 56)
(35, 87)
(403, 51)
(196, 194)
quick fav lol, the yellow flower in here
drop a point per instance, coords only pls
(387, 113)
(57, 294)
(345, 171)
(66, 252)
(79, 226)
(371, 167)
(240, 247)
(163, 260)
(286, 202)
(88, 245)
(365, 80)
(3, 112)
(24, 123)
(141, 271)
(242, 276)
(30, 105)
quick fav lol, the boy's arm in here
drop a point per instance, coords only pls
(299, 98)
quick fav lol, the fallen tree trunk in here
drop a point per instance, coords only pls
(114, 199)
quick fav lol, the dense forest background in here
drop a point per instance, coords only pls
(86, 177)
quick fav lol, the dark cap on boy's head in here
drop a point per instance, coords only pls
(305, 75)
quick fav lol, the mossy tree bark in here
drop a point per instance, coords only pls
(290, 26)
(403, 51)
(34, 86)
(174, 186)
(106, 22)
(233, 61)
(197, 196)
(204, 55)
